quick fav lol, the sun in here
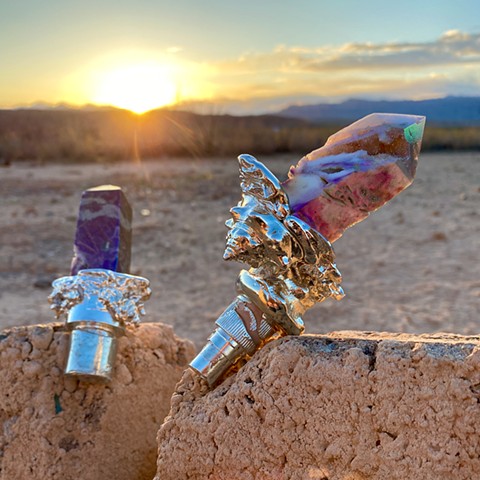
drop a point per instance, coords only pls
(137, 87)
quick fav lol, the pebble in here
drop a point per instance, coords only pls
(123, 374)
(43, 282)
(42, 337)
(26, 349)
(31, 368)
(79, 395)
(35, 354)
(70, 384)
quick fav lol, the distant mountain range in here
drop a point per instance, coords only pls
(64, 107)
(461, 111)
(448, 110)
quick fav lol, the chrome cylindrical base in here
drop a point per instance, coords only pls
(92, 353)
(218, 355)
(93, 341)
(234, 338)
(99, 304)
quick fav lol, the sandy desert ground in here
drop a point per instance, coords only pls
(411, 267)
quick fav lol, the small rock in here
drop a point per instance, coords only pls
(42, 337)
(123, 374)
(35, 354)
(31, 210)
(43, 282)
(31, 368)
(26, 349)
(70, 383)
(438, 237)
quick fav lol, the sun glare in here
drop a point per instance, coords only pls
(138, 88)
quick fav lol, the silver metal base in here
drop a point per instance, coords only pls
(93, 341)
(92, 353)
(234, 338)
(217, 356)
(99, 304)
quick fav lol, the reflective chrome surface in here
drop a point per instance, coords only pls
(292, 268)
(92, 353)
(98, 304)
(238, 335)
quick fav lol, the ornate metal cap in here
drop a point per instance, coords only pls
(98, 305)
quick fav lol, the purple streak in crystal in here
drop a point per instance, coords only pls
(103, 238)
(359, 169)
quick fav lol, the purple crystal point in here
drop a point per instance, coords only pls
(103, 237)
(359, 169)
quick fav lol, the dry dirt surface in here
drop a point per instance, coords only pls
(343, 406)
(411, 267)
(59, 428)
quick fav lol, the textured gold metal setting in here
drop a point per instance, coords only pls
(292, 268)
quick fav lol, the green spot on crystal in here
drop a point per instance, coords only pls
(413, 133)
(58, 407)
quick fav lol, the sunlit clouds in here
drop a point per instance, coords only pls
(448, 65)
(265, 81)
(452, 48)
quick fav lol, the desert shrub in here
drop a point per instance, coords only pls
(112, 135)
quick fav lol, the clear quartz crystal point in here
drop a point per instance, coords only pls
(359, 169)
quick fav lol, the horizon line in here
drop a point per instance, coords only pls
(190, 106)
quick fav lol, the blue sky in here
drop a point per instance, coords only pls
(249, 55)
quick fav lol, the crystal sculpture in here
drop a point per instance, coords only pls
(284, 232)
(359, 169)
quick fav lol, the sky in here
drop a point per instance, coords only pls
(248, 56)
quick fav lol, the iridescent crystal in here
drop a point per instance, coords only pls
(104, 231)
(359, 169)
